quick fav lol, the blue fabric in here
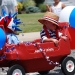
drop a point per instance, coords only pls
(72, 18)
(12, 39)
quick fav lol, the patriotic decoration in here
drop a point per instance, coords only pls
(68, 15)
(10, 24)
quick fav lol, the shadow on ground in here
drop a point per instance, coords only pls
(53, 72)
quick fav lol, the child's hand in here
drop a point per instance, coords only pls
(64, 37)
(55, 41)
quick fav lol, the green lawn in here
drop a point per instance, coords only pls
(31, 22)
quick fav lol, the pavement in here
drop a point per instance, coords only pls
(30, 37)
(56, 71)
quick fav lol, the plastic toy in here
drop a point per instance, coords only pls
(35, 56)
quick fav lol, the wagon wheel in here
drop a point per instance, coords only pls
(68, 66)
(44, 72)
(16, 70)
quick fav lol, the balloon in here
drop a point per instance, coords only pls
(68, 15)
(2, 38)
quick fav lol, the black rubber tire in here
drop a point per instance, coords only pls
(63, 66)
(44, 72)
(14, 67)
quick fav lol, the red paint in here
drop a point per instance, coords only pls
(70, 66)
(29, 57)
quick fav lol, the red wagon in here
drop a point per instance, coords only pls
(35, 56)
(39, 57)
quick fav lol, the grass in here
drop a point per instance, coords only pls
(31, 22)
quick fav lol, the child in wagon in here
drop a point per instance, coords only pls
(50, 28)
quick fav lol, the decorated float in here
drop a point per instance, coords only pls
(27, 57)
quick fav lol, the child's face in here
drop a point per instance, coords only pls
(50, 25)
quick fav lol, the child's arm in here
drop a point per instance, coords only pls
(61, 35)
(63, 5)
(51, 40)
(49, 8)
(45, 39)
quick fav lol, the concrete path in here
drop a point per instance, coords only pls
(29, 36)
